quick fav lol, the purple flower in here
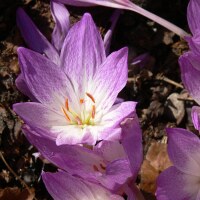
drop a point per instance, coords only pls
(75, 98)
(193, 17)
(181, 181)
(127, 5)
(111, 165)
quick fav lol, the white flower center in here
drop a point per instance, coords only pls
(86, 116)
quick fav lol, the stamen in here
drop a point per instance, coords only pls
(66, 115)
(78, 120)
(67, 104)
(81, 101)
(91, 97)
(93, 111)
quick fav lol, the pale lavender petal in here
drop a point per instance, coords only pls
(109, 33)
(75, 159)
(40, 117)
(132, 143)
(62, 24)
(21, 85)
(110, 78)
(34, 38)
(190, 70)
(63, 186)
(113, 118)
(193, 15)
(82, 53)
(184, 150)
(116, 174)
(173, 184)
(43, 78)
(196, 117)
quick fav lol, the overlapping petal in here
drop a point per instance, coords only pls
(63, 186)
(173, 184)
(184, 150)
(82, 53)
(196, 116)
(190, 73)
(62, 24)
(34, 38)
(193, 15)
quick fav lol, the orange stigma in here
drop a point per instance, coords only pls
(93, 111)
(66, 115)
(81, 101)
(91, 97)
(67, 104)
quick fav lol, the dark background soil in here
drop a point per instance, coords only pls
(161, 102)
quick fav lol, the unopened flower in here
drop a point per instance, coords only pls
(112, 165)
(127, 5)
(181, 181)
(75, 99)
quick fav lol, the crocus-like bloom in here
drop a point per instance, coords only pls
(128, 5)
(75, 100)
(112, 165)
(181, 181)
(193, 17)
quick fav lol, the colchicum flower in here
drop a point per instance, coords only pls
(181, 181)
(112, 165)
(75, 99)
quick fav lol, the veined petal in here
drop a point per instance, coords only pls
(40, 117)
(63, 186)
(132, 143)
(184, 150)
(173, 184)
(73, 134)
(109, 79)
(196, 116)
(43, 78)
(21, 85)
(116, 174)
(34, 38)
(190, 68)
(193, 15)
(113, 118)
(194, 42)
(61, 17)
(81, 57)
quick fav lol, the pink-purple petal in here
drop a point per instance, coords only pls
(190, 70)
(173, 184)
(132, 143)
(110, 78)
(34, 38)
(63, 186)
(196, 116)
(184, 150)
(43, 78)
(82, 53)
(62, 24)
(193, 15)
